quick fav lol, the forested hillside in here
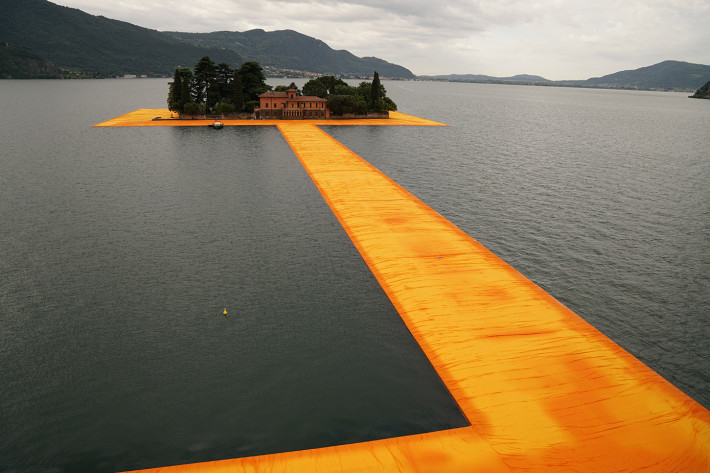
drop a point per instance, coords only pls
(96, 45)
(288, 49)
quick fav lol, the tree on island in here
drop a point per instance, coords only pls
(216, 88)
(205, 81)
(286, 88)
(237, 92)
(345, 99)
(253, 83)
(375, 92)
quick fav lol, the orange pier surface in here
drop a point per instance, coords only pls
(145, 117)
(542, 389)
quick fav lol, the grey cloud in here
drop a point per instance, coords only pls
(563, 38)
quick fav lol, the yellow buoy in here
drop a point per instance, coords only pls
(225, 312)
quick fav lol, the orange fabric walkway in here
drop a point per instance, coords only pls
(542, 389)
(144, 117)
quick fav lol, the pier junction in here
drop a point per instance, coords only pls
(542, 390)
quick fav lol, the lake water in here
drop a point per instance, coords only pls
(121, 247)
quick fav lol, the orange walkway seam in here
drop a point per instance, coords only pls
(145, 116)
(542, 389)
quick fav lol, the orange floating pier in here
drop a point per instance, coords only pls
(163, 117)
(542, 389)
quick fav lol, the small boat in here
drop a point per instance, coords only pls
(217, 125)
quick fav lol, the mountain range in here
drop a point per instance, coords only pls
(94, 45)
(666, 75)
(286, 51)
(41, 39)
(80, 43)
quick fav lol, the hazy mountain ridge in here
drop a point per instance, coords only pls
(485, 78)
(291, 50)
(75, 40)
(97, 46)
(666, 75)
(42, 39)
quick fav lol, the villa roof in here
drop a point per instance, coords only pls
(298, 98)
(271, 93)
(309, 98)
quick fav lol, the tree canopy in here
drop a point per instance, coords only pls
(212, 88)
(345, 99)
(703, 92)
(216, 88)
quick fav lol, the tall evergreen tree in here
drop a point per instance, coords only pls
(237, 92)
(224, 74)
(375, 92)
(186, 90)
(253, 82)
(174, 92)
(204, 81)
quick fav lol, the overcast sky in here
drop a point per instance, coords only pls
(556, 39)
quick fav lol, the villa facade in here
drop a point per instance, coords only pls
(290, 106)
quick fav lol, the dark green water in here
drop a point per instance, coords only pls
(119, 249)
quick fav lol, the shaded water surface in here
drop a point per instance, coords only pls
(120, 248)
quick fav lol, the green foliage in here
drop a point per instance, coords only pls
(346, 99)
(237, 92)
(96, 45)
(345, 104)
(205, 90)
(315, 88)
(204, 83)
(345, 90)
(322, 86)
(176, 84)
(253, 81)
(286, 88)
(703, 92)
(180, 90)
(224, 76)
(251, 105)
(376, 93)
(191, 108)
(22, 63)
(226, 108)
(213, 88)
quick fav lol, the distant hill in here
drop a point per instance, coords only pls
(666, 75)
(75, 40)
(523, 78)
(290, 50)
(22, 63)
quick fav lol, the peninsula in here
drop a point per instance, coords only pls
(216, 91)
(703, 92)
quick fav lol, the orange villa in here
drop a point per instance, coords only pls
(288, 105)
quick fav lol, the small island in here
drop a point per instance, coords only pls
(703, 92)
(216, 91)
